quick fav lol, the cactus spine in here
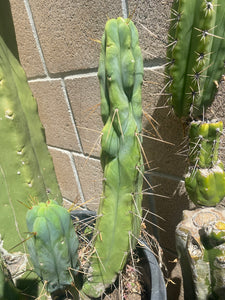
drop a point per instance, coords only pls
(26, 168)
(118, 226)
(53, 244)
(196, 55)
(205, 181)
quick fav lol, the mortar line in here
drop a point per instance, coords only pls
(81, 75)
(35, 35)
(71, 114)
(73, 165)
(124, 9)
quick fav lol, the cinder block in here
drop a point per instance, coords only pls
(54, 114)
(65, 175)
(168, 203)
(160, 124)
(90, 175)
(28, 52)
(151, 19)
(84, 95)
(66, 30)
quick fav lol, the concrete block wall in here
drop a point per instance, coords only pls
(57, 48)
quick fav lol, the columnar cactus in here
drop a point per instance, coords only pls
(196, 53)
(53, 244)
(205, 181)
(118, 225)
(26, 168)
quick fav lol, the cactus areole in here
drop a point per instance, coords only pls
(196, 54)
(52, 244)
(205, 180)
(118, 225)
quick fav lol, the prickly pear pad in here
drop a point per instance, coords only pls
(196, 54)
(53, 247)
(118, 225)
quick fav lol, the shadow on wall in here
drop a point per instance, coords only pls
(168, 165)
(7, 30)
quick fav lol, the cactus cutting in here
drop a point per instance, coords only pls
(196, 54)
(118, 225)
(53, 244)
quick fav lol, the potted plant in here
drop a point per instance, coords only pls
(52, 242)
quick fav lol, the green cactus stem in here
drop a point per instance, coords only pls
(26, 168)
(118, 225)
(52, 245)
(204, 138)
(205, 181)
(196, 55)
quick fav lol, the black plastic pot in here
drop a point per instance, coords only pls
(153, 284)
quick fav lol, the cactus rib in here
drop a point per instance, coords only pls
(53, 244)
(118, 226)
(196, 53)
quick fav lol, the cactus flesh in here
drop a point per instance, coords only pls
(118, 225)
(196, 53)
(26, 168)
(52, 244)
(205, 181)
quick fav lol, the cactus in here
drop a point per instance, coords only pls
(205, 181)
(26, 168)
(196, 54)
(200, 241)
(53, 244)
(118, 225)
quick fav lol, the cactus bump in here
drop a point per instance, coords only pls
(52, 245)
(119, 216)
(205, 181)
(196, 55)
(26, 167)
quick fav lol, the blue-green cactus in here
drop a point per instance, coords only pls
(53, 244)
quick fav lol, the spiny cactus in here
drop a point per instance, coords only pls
(196, 54)
(53, 244)
(205, 181)
(26, 168)
(118, 225)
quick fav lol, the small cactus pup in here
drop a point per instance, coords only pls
(205, 181)
(119, 216)
(26, 167)
(52, 244)
(196, 55)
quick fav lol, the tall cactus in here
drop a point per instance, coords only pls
(26, 168)
(118, 225)
(53, 244)
(196, 53)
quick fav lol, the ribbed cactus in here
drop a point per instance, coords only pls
(196, 54)
(26, 168)
(53, 244)
(118, 225)
(205, 181)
